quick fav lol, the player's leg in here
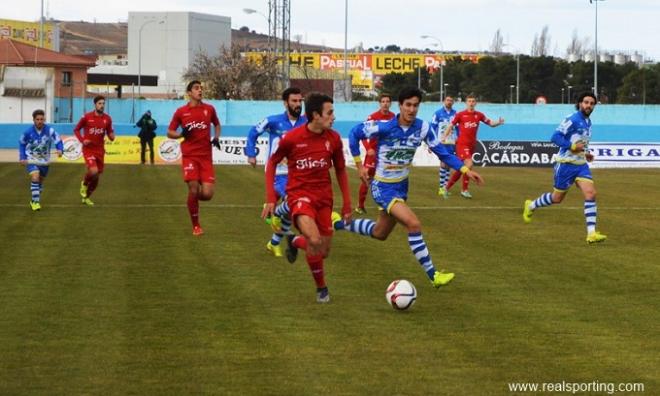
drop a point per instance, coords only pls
(90, 179)
(466, 180)
(586, 185)
(384, 194)
(100, 166)
(362, 196)
(443, 176)
(150, 142)
(35, 192)
(404, 215)
(465, 154)
(564, 176)
(278, 223)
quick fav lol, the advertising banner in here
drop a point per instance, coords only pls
(625, 155)
(28, 32)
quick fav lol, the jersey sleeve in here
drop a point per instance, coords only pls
(55, 138)
(253, 135)
(433, 141)
(175, 122)
(22, 144)
(561, 136)
(282, 151)
(365, 130)
(80, 125)
(435, 121)
(457, 119)
(484, 119)
(109, 128)
(214, 117)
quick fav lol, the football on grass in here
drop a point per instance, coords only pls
(401, 294)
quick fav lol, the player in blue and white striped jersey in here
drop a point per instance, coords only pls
(34, 151)
(276, 126)
(441, 119)
(573, 136)
(398, 141)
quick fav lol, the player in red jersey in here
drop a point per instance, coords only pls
(195, 119)
(383, 114)
(311, 150)
(95, 126)
(468, 122)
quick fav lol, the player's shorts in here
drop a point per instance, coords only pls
(280, 185)
(320, 212)
(567, 174)
(387, 194)
(198, 169)
(464, 151)
(42, 169)
(94, 160)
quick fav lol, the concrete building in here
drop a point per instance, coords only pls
(161, 45)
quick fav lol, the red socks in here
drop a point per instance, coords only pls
(193, 209)
(454, 178)
(315, 263)
(363, 194)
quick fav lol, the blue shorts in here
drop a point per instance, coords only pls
(387, 194)
(451, 148)
(42, 169)
(280, 185)
(567, 174)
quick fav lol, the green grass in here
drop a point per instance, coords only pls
(122, 299)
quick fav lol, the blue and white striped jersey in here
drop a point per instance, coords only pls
(441, 119)
(34, 146)
(276, 126)
(397, 146)
(575, 128)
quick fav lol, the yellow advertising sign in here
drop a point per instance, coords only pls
(27, 32)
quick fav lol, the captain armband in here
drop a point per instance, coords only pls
(357, 159)
(464, 169)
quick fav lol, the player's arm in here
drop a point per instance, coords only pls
(76, 131)
(339, 162)
(491, 123)
(22, 145)
(251, 143)
(451, 160)
(561, 137)
(59, 145)
(447, 132)
(174, 125)
(217, 129)
(359, 132)
(271, 165)
(110, 132)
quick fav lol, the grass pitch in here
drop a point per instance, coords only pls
(120, 298)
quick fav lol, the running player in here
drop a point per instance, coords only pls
(276, 126)
(311, 150)
(398, 141)
(195, 119)
(34, 152)
(572, 136)
(95, 126)
(441, 120)
(383, 114)
(468, 122)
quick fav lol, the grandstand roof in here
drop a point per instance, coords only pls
(14, 53)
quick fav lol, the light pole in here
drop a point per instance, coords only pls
(251, 11)
(562, 95)
(568, 94)
(518, 78)
(595, 2)
(442, 63)
(445, 85)
(348, 99)
(140, 53)
(511, 93)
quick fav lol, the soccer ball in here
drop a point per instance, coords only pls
(401, 294)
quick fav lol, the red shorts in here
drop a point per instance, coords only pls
(94, 160)
(199, 169)
(464, 151)
(321, 213)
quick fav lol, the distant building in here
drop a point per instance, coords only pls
(32, 77)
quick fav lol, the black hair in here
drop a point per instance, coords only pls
(290, 91)
(384, 95)
(190, 85)
(314, 104)
(98, 97)
(409, 92)
(581, 98)
(38, 112)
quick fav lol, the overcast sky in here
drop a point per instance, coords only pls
(626, 25)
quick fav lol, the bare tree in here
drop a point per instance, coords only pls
(497, 45)
(230, 75)
(541, 43)
(575, 46)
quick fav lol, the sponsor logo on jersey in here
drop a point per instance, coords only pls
(327, 146)
(301, 145)
(196, 125)
(96, 131)
(311, 163)
(469, 124)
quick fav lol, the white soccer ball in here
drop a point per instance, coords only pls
(401, 294)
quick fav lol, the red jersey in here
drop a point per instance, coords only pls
(309, 157)
(94, 128)
(198, 120)
(376, 116)
(468, 124)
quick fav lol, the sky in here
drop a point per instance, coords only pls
(623, 25)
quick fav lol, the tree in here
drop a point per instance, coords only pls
(541, 43)
(229, 75)
(497, 45)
